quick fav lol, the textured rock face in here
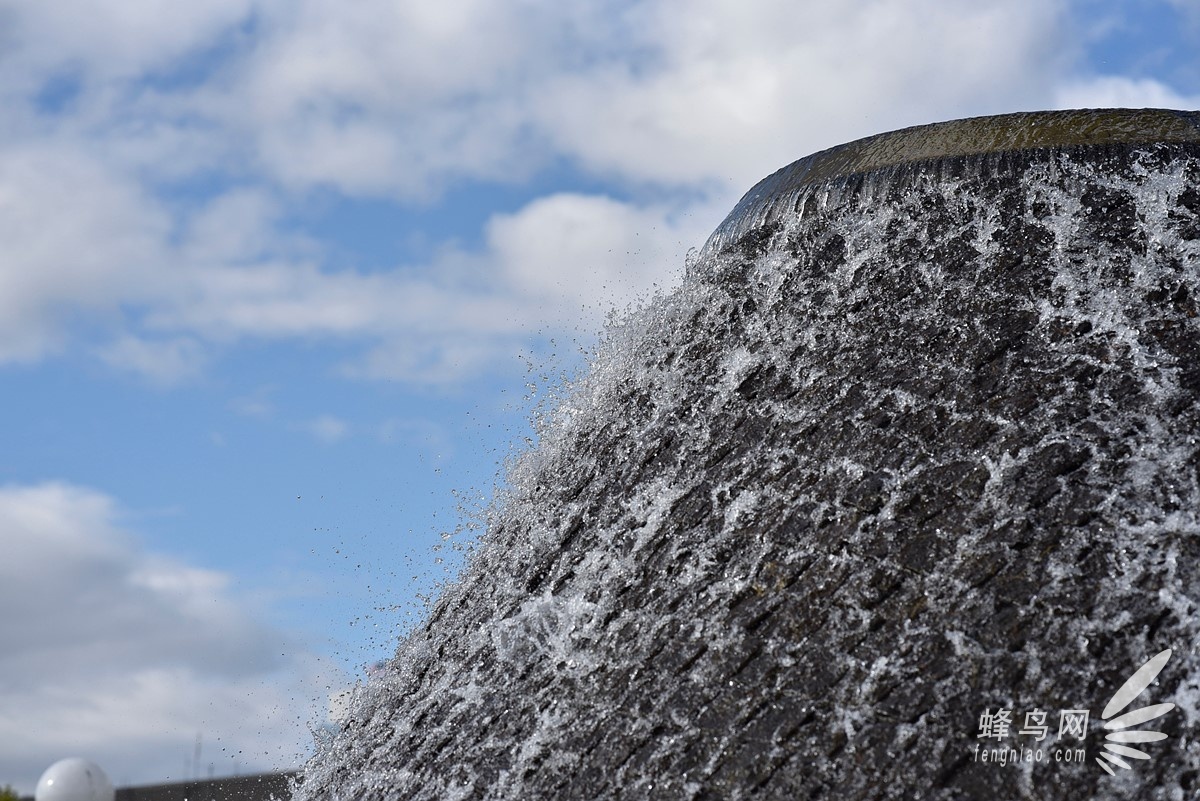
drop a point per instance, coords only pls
(917, 449)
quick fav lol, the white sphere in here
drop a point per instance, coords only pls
(74, 779)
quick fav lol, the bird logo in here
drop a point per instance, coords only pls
(1120, 732)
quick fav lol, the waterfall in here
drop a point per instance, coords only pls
(915, 442)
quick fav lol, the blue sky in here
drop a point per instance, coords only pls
(280, 283)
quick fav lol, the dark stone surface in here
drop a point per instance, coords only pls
(923, 451)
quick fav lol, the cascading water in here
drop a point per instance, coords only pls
(914, 444)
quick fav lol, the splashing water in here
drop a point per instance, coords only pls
(917, 443)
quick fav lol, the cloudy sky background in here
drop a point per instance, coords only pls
(278, 279)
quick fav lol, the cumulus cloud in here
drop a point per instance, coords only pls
(101, 40)
(1112, 91)
(89, 252)
(123, 655)
(79, 240)
(1189, 11)
(446, 361)
(399, 99)
(381, 97)
(256, 404)
(262, 102)
(163, 362)
(557, 264)
(736, 91)
(569, 249)
(327, 429)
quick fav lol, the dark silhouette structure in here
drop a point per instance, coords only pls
(258, 787)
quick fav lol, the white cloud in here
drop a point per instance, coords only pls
(734, 91)
(556, 265)
(664, 98)
(79, 239)
(163, 362)
(233, 228)
(327, 429)
(123, 655)
(89, 252)
(1112, 91)
(110, 39)
(571, 250)
(381, 98)
(256, 404)
(441, 361)
(1190, 12)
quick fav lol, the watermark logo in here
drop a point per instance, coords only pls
(1073, 725)
(1117, 741)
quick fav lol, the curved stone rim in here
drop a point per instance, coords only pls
(957, 139)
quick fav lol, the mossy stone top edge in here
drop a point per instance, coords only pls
(1066, 131)
(1005, 132)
